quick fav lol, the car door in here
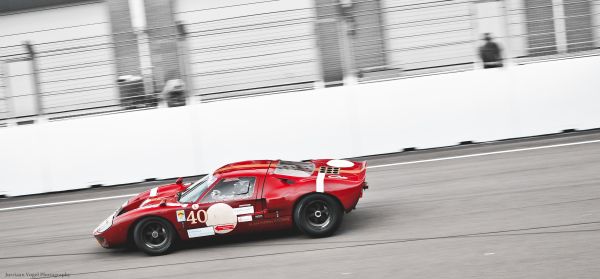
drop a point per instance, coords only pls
(227, 207)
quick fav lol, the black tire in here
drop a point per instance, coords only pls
(154, 236)
(318, 215)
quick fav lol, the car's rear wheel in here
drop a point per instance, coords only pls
(318, 215)
(154, 236)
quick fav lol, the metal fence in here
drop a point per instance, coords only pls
(280, 51)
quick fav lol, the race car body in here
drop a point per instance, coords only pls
(243, 197)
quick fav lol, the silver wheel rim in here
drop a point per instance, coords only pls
(317, 214)
(154, 235)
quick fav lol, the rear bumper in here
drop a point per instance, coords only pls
(350, 198)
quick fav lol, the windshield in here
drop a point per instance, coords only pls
(195, 190)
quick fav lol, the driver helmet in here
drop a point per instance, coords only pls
(241, 187)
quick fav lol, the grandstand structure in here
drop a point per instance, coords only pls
(71, 58)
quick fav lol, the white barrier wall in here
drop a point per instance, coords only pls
(380, 117)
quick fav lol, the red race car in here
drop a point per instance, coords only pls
(238, 198)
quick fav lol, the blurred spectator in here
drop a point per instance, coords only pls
(174, 93)
(490, 53)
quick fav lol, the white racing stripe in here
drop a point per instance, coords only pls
(484, 154)
(320, 182)
(65, 202)
(153, 192)
(369, 167)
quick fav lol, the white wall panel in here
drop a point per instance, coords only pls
(373, 118)
(242, 44)
(73, 47)
(423, 34)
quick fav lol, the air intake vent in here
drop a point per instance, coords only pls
(329, 170)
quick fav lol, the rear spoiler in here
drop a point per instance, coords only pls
(359, 169)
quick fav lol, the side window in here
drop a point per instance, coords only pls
(229, 189)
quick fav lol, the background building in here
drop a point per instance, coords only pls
(222, 49)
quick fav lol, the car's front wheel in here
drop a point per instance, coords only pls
(154, 236)
(318, 215)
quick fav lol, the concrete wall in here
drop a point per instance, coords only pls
(431, 111)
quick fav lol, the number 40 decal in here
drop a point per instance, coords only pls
(197, 217)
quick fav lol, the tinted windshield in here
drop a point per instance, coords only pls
(195, 190)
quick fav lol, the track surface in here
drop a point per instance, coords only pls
(530, 214)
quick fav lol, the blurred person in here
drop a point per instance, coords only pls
(490, 53)
(173, 93)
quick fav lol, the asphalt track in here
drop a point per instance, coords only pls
(526, 214)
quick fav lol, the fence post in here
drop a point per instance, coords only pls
(329, 41)
(348, 58)
(560, 28)
(10, 108)
(184, 63)
(508, 50)
(475, 36)
(39, 107)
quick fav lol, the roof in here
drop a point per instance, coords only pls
(255, 165)
(9, 6)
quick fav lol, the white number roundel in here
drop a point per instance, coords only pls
(221, 217)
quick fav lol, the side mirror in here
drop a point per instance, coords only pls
(179, 181)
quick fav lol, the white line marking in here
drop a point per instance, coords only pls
(369, 167)
(483, 154)
(65, 202)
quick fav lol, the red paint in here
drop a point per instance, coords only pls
(224, 228)
(273, 199)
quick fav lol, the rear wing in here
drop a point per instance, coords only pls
(359, 169)
(355, 170)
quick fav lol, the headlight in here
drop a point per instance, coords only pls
(105, 224)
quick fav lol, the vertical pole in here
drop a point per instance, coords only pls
(10, 107)
(126, 51)
(184, 64)
(349, 67)
(384, 35)
(137, 12)
(36, 79)
(595, 11)
(329, 42)
(560, 28)
(474, 34)
(147, 71)
(319, 82)
(508, 55)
